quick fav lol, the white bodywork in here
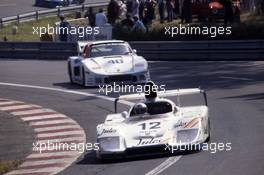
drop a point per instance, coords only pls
(98, 70)
(182, 126)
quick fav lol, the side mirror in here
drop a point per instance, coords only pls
(134, 50)
(124, 114)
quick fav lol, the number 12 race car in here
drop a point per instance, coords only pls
(107, 62)
(153, 122)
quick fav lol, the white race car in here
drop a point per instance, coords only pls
(153, 122)
(106, 62)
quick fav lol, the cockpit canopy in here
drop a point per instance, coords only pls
(153, 108)
(106, 49)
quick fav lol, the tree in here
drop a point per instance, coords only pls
(260, 7)
(255, 6)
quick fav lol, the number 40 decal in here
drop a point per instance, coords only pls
(117, 61)
(151, 125)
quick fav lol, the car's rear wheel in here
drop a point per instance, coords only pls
(70, 72)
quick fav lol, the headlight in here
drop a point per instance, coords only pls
(139, 65)
(109, 143)
(187, 135)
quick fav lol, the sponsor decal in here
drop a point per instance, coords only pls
(148, 141)
(180, 124)
(107, 131)
(116, 61)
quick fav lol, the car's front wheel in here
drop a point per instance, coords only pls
(83, 77)
(209, 131)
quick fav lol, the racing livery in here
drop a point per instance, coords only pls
(153, 122)
(107, 62)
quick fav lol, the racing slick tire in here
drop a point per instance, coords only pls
(83, 77)
(70, 72)
(209, 132)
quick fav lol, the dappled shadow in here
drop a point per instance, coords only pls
(208, 75)
(90, 157)
(256, 96)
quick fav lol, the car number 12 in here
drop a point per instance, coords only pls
(151, 125)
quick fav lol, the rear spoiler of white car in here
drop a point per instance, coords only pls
(169, 93)
(81, 45)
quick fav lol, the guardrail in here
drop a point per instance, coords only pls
(39, 13)
(151, 50)
(202, 50)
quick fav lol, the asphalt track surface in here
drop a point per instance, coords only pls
(22, 136)
(15, 7)
(236, 102)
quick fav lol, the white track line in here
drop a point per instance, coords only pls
(41, 162)
(164, 165)
(71, 139)
(157, 170)
(59, 133)
(51, 122)
(65, 91)
(55, 128)
(43, 117)
(236, 78)
(9, 102)
(34, 111)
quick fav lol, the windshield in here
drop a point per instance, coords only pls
(156, 108)
(109, 49)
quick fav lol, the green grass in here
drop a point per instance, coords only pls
(6, 166)
(25, 29)
(251, 27)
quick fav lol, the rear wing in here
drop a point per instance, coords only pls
(162, 94)
(81, 45)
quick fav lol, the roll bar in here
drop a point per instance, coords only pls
(168, 93)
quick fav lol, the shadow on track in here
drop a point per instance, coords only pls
(208, 75)
(256, 96)
(90, 157)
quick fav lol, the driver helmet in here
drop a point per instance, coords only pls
(140, 108)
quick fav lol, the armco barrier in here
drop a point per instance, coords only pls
(151, 50)
(201, 50)
(37, 50)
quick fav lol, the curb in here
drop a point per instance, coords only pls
(50, 127)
